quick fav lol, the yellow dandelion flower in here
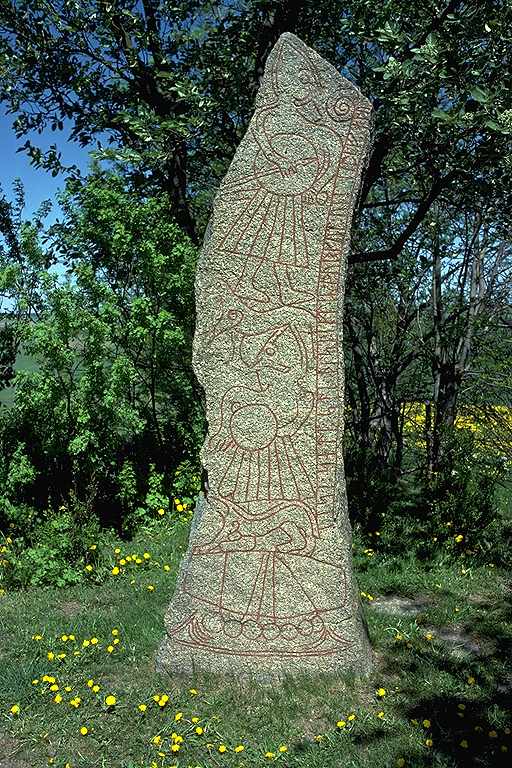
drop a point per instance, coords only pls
(341, 724)
(192, 691)
(146, 556)
(84, 731)
(222, 748)
(68, 689)
(270, 755)
(464, 744)
(161, 512)
(35, 682)
(167, 567)
(95, 688)
(175, 747)
(88, 568)
(50, 655)
(142, 707)
(239, 748)
(199, 730)
(115, 632)
(115, 571)
(110, 701)
(90, 683)
(428, 742)
(471, 680)
(381, 692)
(86, 643)
(94, 641)
(151, 588)
(380, 715)
(54, 687)
(426, 723)
(122, 561)
(458, 538)
(110, 648)
(15, 709)
(283, 748)
(178, 716)
(157, 740)
(351, 717)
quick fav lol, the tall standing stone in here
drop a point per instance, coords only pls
(266, 587)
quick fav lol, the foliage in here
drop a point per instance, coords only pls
(112, 407)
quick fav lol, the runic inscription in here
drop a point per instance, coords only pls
(266, 586)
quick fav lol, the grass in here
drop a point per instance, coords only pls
(440, 707)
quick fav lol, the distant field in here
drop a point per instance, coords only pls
(23, 363)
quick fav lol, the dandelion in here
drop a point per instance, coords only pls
(95, 689)
(239, 748)
(84, 731)
(428, 742)
(37, 637)
(283, 748)
(400, 762)
(88, 568)
(493, 735)
(142, 707)
(426, 723)
(151, 588)
(161, 512)
(68, 689)
(380, 715)
(146, 556)
(50, 655)
(429, 636)
(192, 691)
(471, 680)
(110, 701)
(122, 561)
(175, 747)
(222, 748)
(157, 740)
(464, 744)
(35, 682)
(54, 687)
(90, 683)
(270, 755)
(178, 716)
(86, 643)
(381, 692)
(167, 567)
(458, 538)
(15, 709)
(199, 730)
(341, 724)
(58, 698)
(72, 638)
(115, 571)
(110, 648)
(117, 551)
(351, 717)
(94, 641)
(64, 638)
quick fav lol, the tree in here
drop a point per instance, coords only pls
(172, 86)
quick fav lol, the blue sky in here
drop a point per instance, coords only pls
(39, 184)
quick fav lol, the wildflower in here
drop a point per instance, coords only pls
(493, 735)
(50, 655)
(426, 723)
(57, 698)
(95, 689)
(94, 641)
(146, 556)
(381, 692)
(68, 689)
(64, 638)
(151, 588)
(471, 680)
(222, 748)
(93, 547)
(90, 683)
(61, 655)
(161, 512)
(283, 748)
(429, 636)
(75, 702)
(122, 561)
(115, 571)
(15, 709)
(178, 716)
(54, 687)
(35, 682)
(459, 538)
(319, 737)
(428, 742)
(167, 567)
(380, 715)
(142, 707)
(84, 731)
(192, 691)
(86, 643)
(270, 755)
(110, 648)
(117, 551)
(341, 724)
(37, 637)
(464, 744)
(116, 641)
(400, 762)
(175, 747)
(110, 701)
(88, 568)
(72, 638)
(157, 740)
(239, 748)
(199, 730)
(351, 717)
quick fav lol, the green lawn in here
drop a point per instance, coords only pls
(441, 707)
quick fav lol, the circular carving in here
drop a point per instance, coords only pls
(289, 632)
(253, 426)
(251, 630)
(339, 109)
(233, 628)
(270, 631)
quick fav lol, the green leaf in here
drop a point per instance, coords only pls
(479, 94)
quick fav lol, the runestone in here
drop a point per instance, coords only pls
(266, 586)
